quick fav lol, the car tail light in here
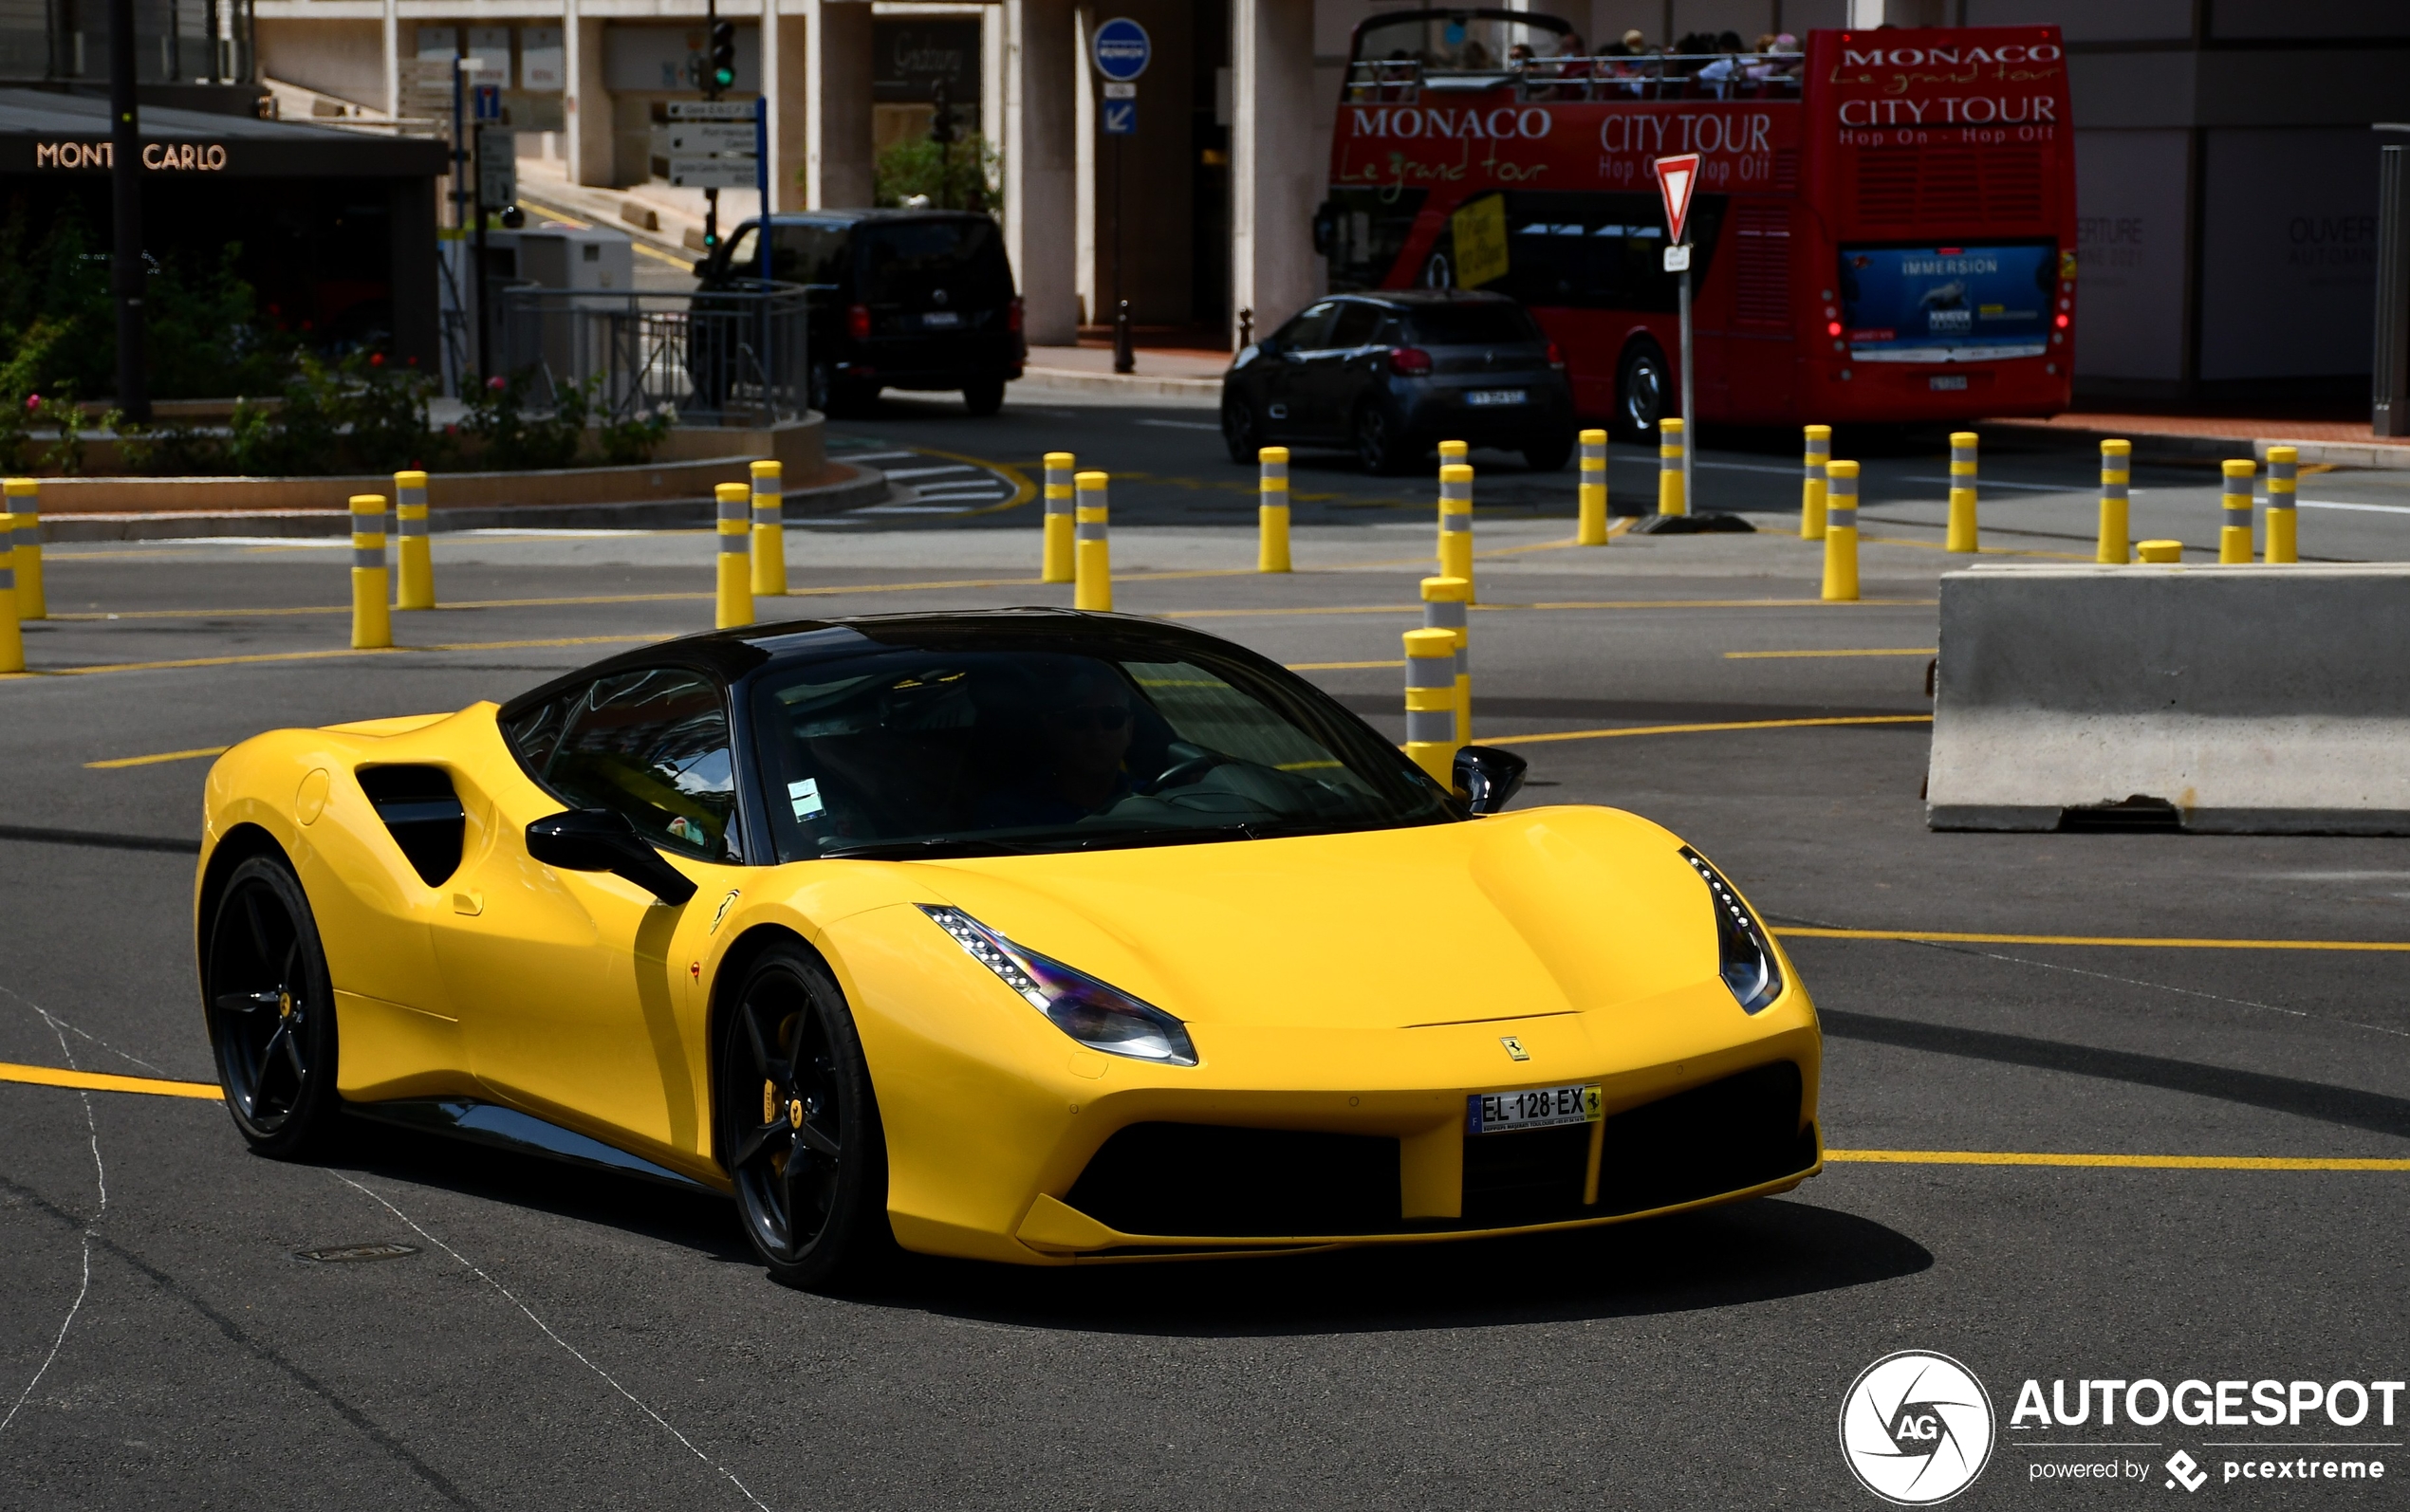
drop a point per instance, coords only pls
(858, 323)
(1012, 316)
(1556, 359)
(1409, 362)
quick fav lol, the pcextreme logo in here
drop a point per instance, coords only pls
(1917, 1427)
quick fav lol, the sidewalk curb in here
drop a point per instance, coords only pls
(869, 486)
(2150, 446)
(1064, 377)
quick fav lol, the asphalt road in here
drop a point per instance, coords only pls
(562, 1340)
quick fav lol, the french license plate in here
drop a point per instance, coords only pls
(1495, 397)
(1946, 381)
(941, 319)
(1541, 1108)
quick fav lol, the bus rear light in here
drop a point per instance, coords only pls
(1556, 359)
(2062, 320)
(1413, 361)
(1832, 327)
(858, 321)
(1012, 316)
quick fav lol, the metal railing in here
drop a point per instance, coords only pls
(733, 356)
(1652, 76)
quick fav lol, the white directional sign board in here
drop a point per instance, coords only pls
(713, 173)
(691, 137)
(497, 166)
(711, 110)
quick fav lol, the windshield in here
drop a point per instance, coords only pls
(1482, 324)
(904, 752)
(906, 262)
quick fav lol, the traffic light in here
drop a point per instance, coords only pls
(723, 55)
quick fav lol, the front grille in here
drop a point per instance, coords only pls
(1207, 1181)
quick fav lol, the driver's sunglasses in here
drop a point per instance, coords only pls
(1103, 717)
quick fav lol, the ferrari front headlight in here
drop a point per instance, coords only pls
(1096, 1013)
(1746, 955)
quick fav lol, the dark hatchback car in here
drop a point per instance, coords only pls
(1391, 375)
(900, 299)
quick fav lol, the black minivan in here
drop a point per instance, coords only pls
(1392, 374)
(901, 298)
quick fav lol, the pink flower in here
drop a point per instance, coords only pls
(493, 383)
(33, 401)
(376, 360)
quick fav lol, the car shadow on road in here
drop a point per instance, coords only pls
(1750, 1252)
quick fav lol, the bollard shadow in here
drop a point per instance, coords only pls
(1723, 1257)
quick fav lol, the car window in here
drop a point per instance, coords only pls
(740, 250)
(808, 254)
(651, 745)
(1353, 326)
(911, 750)
(1304, 331)
(914, 262)
(1472, 324)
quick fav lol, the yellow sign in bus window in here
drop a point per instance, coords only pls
(1482, 240)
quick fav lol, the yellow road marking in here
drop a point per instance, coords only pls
(1988, 1157)
(2132, 942)
(1698, 730)
(102, 1082)
(556, 212)
(1889, 650)
(1338, 666)
(153, 761)
(681, 263)
(323, 656)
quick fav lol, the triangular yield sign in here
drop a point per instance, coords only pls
(1676, 178)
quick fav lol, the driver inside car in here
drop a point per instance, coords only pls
(1076, 764)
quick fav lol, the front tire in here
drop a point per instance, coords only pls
(799, 1129)
(1379, 444)
(1241, 431)
(270, 1007)
(984, 398)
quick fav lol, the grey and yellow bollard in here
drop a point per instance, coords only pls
(12, 636)
(24, 501)
(2284, 465)
(372, 626)
(1591, 531)
(1962, 535)
(2233, 537)
(1059, 562)
(770, 530)
(1272, 509)
(1431, 703)
(1456, 523)
(415, 577)
(1670, 498)
(1445, 602)
(1811, 483)
(1841, 532)
(2160, 551)
(1092, 586)
(734, 604)
(2116, 545)
(1452, 455)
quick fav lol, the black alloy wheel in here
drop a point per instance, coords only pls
(271, 1011)
(1241, 431)
(1379, 444)
(1641, 383)
(984, 398)
(799, 1125)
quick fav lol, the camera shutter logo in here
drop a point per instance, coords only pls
(1917, 1427)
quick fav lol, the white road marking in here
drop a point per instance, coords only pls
(869, 456)
(2372, 508)
(926, 472)
(1180, 425)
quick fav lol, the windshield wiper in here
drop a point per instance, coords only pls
(935, 845)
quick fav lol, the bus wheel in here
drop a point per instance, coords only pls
(1641, 386)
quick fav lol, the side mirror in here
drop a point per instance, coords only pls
(1486, 777)
(602, 839)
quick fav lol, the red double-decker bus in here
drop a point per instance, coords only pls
(1884, 229)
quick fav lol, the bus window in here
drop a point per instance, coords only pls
(1368, 229)
(1593, 251)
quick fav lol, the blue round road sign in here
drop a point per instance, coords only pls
(1122, 49)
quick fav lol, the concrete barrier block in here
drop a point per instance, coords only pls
(2237, 700)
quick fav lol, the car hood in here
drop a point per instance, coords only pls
(1540, 911)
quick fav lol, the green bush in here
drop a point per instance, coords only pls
(971, 172)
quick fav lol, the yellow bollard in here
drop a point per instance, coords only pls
(734, 604)
(2160, 550)
(2233, 537)
(1057, 564)
(1841, 532)
(24, 501)
(11, 636)
(1962, 535)
(1272, 509)
(1452, 452)
(2116, 474)
(1092, 586)
(2283, 462)
(770, 530)
(416, 584)
(1811, 483)
(1592, 529)
(372, 625)
(1445, 601)
(1669, 468)
(1431, 703)
(1452, 455)
(1456, 523)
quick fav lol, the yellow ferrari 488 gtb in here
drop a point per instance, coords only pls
(1024, 935)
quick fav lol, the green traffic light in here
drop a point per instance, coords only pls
(725, 77)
